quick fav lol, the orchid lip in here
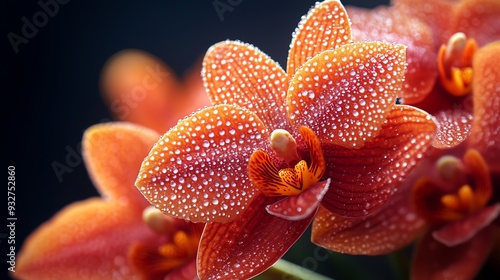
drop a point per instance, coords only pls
(471, 194)
(455, 64)
(272, 181)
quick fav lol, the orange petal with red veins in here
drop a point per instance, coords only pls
(454, 127)
(197, 171)
(478, 19)
(364, 179)
(393, 227)
(300, 206)
(393, 26)
(461, 231)
(140, 88)
(344, 95)
(433, 260)
(249, 245)
(240, 74)
(70, 245)
(113, 154)
(326, 26)
(485, 135)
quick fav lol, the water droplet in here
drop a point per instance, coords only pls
(206, 144)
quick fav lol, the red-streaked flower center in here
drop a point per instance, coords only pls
(272, 181)
(180, 248)
(471, 188)
(455, 64)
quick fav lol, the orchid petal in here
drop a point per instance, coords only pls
(364, 179)
(393, 227)
(234, 250)
(478, 19)
(431, 13)
(140, 88)
(326, 26)
(344, 95)
(197, 171)
(461, 231)
(70, 245)
(434, 260)
(454, 127)
(113, 153)
(485, 134)
(300, 206)
(395, 27)
(240, 74)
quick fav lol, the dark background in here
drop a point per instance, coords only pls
(50, 91)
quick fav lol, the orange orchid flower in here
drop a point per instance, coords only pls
(138, 243)
(456, 187)
(442, 37)
(457, 192)
(275, 145)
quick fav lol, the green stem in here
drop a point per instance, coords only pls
(285, 270)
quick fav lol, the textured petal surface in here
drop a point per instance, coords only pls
(393, 227)
(391, 25)
(326, 26)
(478, 19)
(240, 74)
(70, 245)
(454, 127)
(113, 154)
(485, 135)
(461, 231)
(140, 88)
(431, 13)
(344, 95)
(197, 171)
(433, 260)
(364, 179)
(300, 206)
(246, 247)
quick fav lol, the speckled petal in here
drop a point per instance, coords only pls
(240, 74)
(246, 247)
(197, 171)
(113, 153)
(461, 231)
(326, 26)
(431, 13)
(393, 26)
(433, 260)
(364, 179)
(454, 127)
(394, 227)
(300, 206)
(478, 19)
(70, 245)
(485, 136)
(344, 95)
